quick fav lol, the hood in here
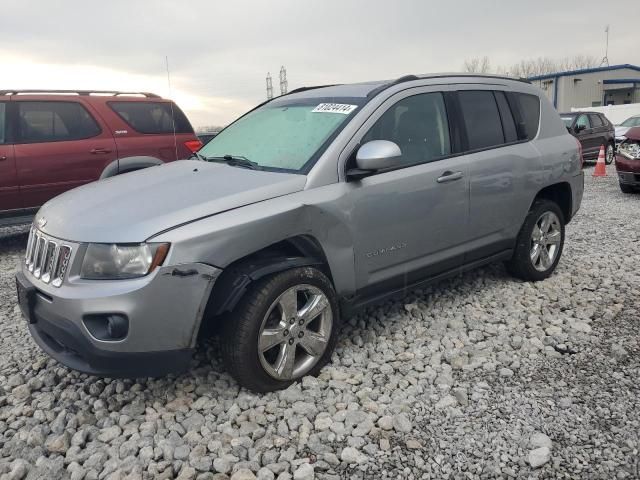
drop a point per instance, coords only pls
(633, 133)
(137, 205)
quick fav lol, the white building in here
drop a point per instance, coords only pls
(591, 87)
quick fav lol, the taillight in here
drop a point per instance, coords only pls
(580, 152)
(193, 145)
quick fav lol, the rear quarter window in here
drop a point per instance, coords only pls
(152, 117)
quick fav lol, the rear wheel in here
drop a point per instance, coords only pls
(626, 188)
(608, 154)
(540, 242)
(284, 328)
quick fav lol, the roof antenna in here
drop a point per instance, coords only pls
(605, 59)
(173, 120)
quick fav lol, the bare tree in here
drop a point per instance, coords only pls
(477, 65)
(577, 62)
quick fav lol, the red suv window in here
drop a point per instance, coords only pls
(152, 117)
(54, 122)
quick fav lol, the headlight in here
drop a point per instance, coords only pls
(107, 262)
(630, 150)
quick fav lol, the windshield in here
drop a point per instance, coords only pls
(567, 121)
(631, 122)
(283, 135)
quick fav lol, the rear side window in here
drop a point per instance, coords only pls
(529, 106)
(596, 121)
(54, 122)
(481, 119)
(152, 117)
(3, 113)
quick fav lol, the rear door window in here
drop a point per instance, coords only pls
(54, 122)
(529, 107)
(596, 121)
(481, 119)
(152, 117)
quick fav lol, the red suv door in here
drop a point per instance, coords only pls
(9, 191)
(59, 145)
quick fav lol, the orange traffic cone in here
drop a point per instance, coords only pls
(601, 169)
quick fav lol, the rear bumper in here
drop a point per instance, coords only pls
(163, 312)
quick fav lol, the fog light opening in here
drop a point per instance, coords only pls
(107, 327)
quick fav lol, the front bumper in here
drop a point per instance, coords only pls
(164, 311)
(628, 171)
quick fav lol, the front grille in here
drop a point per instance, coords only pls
(47, 258)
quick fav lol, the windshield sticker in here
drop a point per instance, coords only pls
(335, 108)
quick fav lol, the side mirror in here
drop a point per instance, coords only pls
(375, 155)
(580, 128)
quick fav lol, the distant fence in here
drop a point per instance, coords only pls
(615, 113)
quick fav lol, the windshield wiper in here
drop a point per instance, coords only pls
(235, 161)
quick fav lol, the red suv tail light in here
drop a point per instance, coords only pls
(580, 152)
(193, 145)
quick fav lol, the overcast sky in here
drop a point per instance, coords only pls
(220, 52)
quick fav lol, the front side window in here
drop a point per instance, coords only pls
(3, 123)
(418, 125)
(152, 117)
(583, 120)
(54, 122)
(568, 121)
(481, 119)
(283, 134)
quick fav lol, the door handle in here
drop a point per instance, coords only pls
(97, 151)
(2, 158)
(449, 176)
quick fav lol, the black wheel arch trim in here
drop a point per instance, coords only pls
(126, 164)
(234, 281)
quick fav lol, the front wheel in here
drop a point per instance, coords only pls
(540, 242)
(284, 328)
(608, 154)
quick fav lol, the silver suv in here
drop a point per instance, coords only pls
(309, 206)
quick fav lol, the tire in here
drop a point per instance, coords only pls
(609, 153)
(261, 316)
(626, 188)
(522, 265)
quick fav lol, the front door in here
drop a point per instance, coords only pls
(59, 146)
(410, 223)
(9, 191)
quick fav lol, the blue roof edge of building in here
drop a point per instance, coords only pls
(621, 80)
(585, 70)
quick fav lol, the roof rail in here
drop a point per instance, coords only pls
(404, 78)
(304, 89)
(78, 92)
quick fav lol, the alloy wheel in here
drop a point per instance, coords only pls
(295, 332)
(545, 241)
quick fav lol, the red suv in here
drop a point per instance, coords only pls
(53, 141)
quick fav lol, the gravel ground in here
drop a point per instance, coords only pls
(477, 377)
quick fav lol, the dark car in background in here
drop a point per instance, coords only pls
(628, 161)
(593, 130)
(207, 137)
(53, 141)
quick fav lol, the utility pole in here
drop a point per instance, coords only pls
(283, 81)
(605, 60)
(269, 86)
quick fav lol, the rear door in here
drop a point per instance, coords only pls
(59, 145)
(9, 191)
(156, 128)
(500, 162)
(600, 130)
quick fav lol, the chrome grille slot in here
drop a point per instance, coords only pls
(46, 258)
